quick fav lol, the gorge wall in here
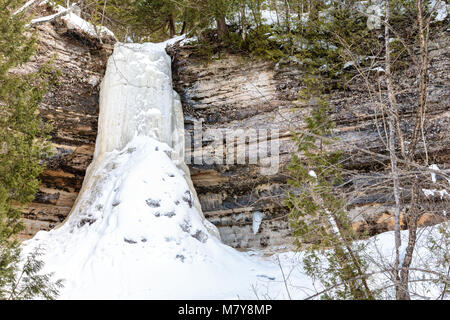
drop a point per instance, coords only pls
(235, 92)
(72, 107)
(228, 93)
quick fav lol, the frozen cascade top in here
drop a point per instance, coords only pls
(137, 99)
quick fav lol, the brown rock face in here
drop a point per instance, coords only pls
(228, 93)
(237, 93)
(72, 107)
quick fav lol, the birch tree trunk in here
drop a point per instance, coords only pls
(393, 159)
(413, 214)
(243, 22)
(423, 75)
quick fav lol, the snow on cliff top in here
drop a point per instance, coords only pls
(75, 22)
(71, 19)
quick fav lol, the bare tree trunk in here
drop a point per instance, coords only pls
(393, 157)
(172, 30)
(394, 171)
(274, 3)
(183, 28)
(243, 22)
(423, 75)
(221, 26)
(413, 217)
(103, 13)
(288, 16)
(288, 25)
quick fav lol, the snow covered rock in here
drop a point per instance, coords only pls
(375, 14)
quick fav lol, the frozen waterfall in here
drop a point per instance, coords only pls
(136, 230)
(137, 100)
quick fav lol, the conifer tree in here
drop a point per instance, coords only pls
(157, 20)
(318, 214)
(24, 145)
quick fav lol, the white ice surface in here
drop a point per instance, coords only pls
(433, 175)
(440, 9)
(257, 219)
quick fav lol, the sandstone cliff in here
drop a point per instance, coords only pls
(236, 92)
(230, 92)
(72, 108)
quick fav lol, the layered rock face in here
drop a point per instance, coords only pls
(229, 93)
(72, 108)
(233, 93)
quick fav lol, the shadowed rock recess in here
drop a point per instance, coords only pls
(227, 93)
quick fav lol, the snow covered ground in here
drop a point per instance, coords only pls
(136, 230)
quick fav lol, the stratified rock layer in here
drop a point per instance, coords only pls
(238, 93)
(72, 108)
(228, 93)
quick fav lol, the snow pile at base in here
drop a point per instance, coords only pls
(135, 234)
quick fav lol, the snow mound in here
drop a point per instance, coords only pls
(135, 234)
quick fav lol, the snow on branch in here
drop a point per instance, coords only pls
(51, 17)
(73, 21)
